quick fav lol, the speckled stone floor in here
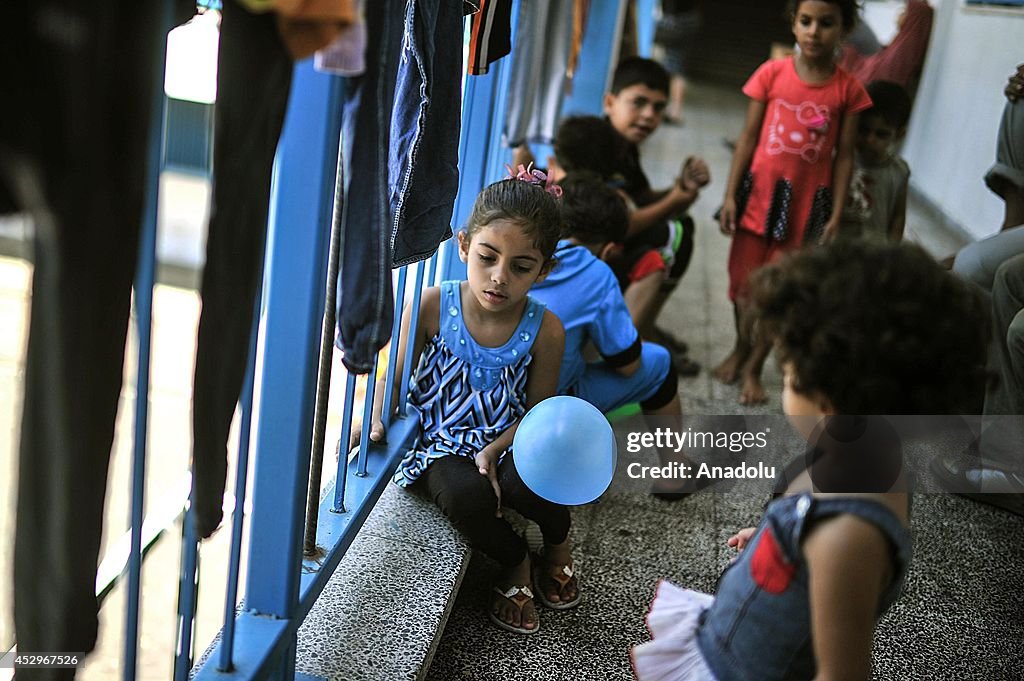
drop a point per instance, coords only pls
(961, 617)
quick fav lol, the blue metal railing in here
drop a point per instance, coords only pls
(143, 302)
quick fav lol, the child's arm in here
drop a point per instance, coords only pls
(745, 146)
(842, 171)
(429, 307)
(541, 383)
(740, 540)
(672, 201)
(848, 561)
(899, 217)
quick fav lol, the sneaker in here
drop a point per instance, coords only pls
(986, 484)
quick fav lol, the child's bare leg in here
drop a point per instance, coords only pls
(728, 371)
(751, 390)
(508, 611)
(644, 299)
(657, 418)
(657, 303)
(677, 90)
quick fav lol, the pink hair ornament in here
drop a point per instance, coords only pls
(535, 177)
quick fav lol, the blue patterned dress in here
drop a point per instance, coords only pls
(466, 394)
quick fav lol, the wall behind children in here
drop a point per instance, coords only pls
(951, 141)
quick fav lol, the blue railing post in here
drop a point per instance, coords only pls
(188, 595)
(645, 26)
(341, 478)
(225, 663)
(396, 332)
(300, 219)
(599, 54)
(145, 277)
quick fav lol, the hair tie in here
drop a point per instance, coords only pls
(536, 177)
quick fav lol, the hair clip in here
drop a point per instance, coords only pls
(535, 177)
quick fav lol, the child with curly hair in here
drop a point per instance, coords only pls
(856, 330)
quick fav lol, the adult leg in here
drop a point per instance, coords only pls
(979, 261)
(997, 477)
(1006, 176)
(1004, 398)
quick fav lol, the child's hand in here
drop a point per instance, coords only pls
(487, 463)
(682, 195)
(377, 433)
(1015, 85)
(696, 173)
(740, 540)
(727, 217)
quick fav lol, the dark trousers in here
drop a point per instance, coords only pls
(77, 83)
(467, 498)
(254, 73)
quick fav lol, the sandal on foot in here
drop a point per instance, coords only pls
(566, 573)
(519, 596)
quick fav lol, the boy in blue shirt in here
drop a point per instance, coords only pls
(584, 293)
(660, 235)
(592, 144)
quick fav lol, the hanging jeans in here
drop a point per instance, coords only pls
(254, 72)
(400, 134)
(77, 84)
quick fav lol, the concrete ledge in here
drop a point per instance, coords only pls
(382, 613)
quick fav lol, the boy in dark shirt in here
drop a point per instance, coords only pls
(660, 234)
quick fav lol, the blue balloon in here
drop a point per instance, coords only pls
(564, 450)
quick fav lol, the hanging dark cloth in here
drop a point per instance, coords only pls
(254, 72)
(77, 82)
(490, 35)
(400, 138)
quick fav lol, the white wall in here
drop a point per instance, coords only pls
(952, 136)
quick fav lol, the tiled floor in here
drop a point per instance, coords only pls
(962, 616)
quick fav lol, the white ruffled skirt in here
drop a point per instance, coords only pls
(673, 654)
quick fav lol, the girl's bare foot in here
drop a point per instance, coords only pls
(728, 371)
(752, 392)
(556, 577)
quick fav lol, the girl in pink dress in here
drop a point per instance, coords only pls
(791, 169)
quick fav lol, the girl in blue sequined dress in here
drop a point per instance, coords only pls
(487, 353)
